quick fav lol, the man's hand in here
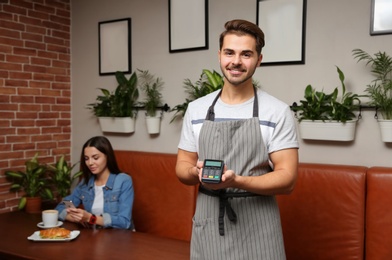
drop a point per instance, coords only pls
(228, 179)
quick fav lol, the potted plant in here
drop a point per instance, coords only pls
(207, 83)
(116, 110)
(61, 177)
(380, 89)
(152, 88)
(324, 116)
(33, 181)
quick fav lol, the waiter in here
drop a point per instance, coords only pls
(254, 134)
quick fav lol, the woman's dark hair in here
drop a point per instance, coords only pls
(103, 145)
(243, 27)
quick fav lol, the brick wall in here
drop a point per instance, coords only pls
(35, 91)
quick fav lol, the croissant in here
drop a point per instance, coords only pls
(53, 233)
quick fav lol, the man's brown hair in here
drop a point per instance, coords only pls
(243, 27)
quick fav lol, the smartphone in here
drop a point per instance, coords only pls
(68, 204)
(212, 171)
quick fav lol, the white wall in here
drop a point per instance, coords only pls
(334, 29)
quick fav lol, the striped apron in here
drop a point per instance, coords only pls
(232, 223)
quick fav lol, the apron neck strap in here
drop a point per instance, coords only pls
(255, 104)
(211, 114)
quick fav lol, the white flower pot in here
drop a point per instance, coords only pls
(327, 130)
(153, 124)
(117, 124)
(385, 129)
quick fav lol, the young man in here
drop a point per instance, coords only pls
(254, 134)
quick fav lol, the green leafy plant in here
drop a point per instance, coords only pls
(61, 176)
(207, 83)
(152, 87)
(121, 102)
(33, 181)
(318, 105)
(380, 89)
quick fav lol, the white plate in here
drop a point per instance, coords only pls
(41, 225)
(35, 237)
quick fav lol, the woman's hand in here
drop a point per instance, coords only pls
(78, 215)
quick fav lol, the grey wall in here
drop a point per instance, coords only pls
(334, 29)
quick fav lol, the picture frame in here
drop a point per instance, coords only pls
(381, 17)
(114, 40)
(188, 25)
(285, 38)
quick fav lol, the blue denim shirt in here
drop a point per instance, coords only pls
(118, 195)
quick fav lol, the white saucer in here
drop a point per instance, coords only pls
(41, 225)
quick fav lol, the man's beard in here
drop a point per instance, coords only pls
(234, 82)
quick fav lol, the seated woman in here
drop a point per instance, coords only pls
(106, 194)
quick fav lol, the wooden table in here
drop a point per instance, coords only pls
(15, 227)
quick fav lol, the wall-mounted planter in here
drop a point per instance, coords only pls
(153, 124)
(385, 129)
(327, 130)
(117, 124)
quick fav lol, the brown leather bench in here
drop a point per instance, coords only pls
(163, 205)
(323, 218)
(379, 213)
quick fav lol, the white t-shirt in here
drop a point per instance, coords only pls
(97, 208)
(276, 120)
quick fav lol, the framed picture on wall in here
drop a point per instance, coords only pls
(381, 17)
(188, 25)
(114, 46)
(283, 23)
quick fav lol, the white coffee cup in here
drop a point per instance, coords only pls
(50, 217)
